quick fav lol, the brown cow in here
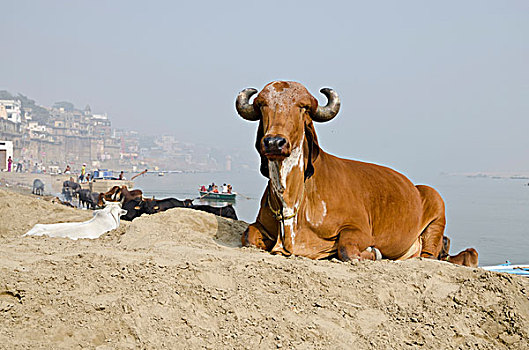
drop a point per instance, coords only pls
(468, 257)
(119, 194)
(318, 205)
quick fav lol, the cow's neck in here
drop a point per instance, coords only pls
(287, 187)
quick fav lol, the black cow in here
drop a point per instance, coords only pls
(137, 207)
(69, 189)
(87, 198)
(158, 205)
(71, 184)
(38, 187)
(133, 208)
(226, 212)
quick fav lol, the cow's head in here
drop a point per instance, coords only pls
(285, 111)
(133, 208)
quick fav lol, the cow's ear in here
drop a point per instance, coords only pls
(264, 161)
(312, 147)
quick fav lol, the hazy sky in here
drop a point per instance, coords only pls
(425, 86)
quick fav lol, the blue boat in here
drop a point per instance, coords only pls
(520, 270)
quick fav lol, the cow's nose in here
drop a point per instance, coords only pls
(274, 143)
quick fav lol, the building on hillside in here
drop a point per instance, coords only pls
(102, 125)
(11, 110)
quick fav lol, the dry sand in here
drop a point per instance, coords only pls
(179, 279)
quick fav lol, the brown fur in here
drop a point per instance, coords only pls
(120, 194)
(344, 206)
(468, 257)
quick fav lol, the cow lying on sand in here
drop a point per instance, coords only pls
(468, 257)
(227, 211)
(119, 194)
(136, 207)
(103, 221)
(317, 205)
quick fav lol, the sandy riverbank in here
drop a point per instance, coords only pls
(179, 279)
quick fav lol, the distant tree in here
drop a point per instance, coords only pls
(68, 106)
(5, 95)
(38, 113)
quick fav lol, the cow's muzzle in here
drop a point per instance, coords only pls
(276, 146)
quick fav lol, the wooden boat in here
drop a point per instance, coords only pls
(104, 180)
(521, 270)
(104, 185)
(217, 196)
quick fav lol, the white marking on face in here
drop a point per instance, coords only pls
(279, 171)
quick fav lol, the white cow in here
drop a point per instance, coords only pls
(103, 221)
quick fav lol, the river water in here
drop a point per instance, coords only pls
(488, 214)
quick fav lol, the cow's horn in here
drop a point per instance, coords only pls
(324, 114)
(244, 108)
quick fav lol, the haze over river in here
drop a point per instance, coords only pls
(488, 214)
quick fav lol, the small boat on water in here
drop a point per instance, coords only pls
(217, 196)
(161, 173)
(521, 270)
(103, 180)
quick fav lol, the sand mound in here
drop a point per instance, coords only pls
(179, 279)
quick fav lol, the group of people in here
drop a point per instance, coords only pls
(10, 166)
(86, 177)
(215, 189)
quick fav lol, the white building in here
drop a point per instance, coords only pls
(6, 151)
(11, 110)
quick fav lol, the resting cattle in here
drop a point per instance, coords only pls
(57, 200)
(38, 187)
(103, 221)
(468, 257)
(137, 207)
(119, 194)
(226, 212)
(317, 205)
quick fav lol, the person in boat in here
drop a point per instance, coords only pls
(224, 188)
(211, 187)
(215, 189)
(68, 170)
(229, 188)
(203, 188)
(121, 176)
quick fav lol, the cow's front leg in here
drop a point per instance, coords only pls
(354, 244)
(256, 236)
